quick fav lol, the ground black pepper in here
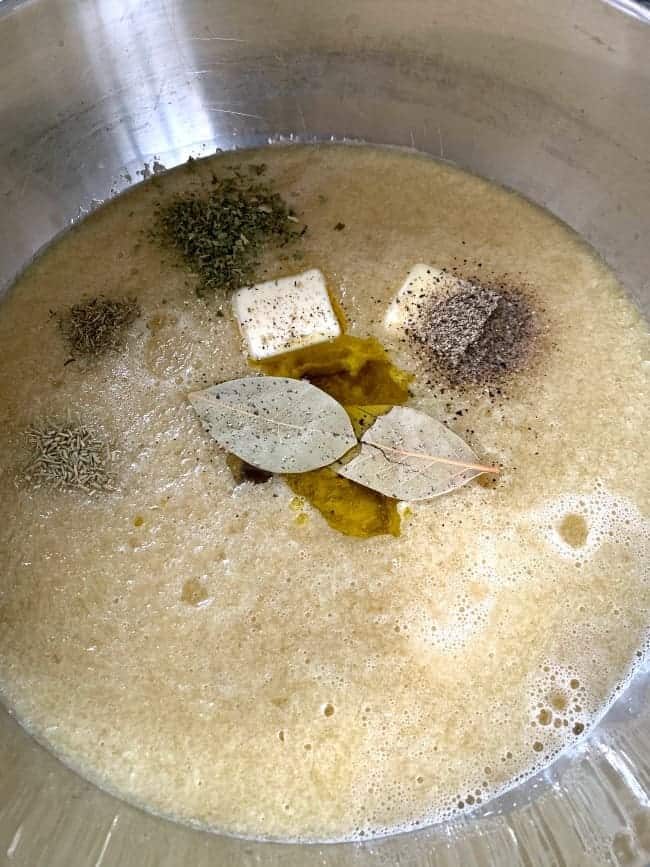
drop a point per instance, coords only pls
(476, 335)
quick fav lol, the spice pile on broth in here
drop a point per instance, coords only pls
(322, 513)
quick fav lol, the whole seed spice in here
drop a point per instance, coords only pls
(68, 456)
(221, 234)
(97, 325)
(476, 335)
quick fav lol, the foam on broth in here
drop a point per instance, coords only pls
(208, 652)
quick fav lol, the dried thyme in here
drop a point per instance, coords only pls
(97, 325)
(221, 234)
(68, 456)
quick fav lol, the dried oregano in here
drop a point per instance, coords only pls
(221, 233)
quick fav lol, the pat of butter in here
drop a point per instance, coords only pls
(422, 283)
(286, 314)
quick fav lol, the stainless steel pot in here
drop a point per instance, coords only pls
(551, 98)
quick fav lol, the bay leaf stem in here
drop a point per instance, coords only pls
(467, 466)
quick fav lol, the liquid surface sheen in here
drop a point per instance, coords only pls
(220, 654)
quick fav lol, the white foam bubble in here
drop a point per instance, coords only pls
(607, 517)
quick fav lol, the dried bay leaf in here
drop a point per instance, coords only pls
(408, 455)
(274, 423)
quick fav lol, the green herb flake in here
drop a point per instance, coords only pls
(221, 234)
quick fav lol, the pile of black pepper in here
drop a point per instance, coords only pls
(476, 335)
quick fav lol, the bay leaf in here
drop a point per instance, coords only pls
(409, 455)
(275, 423)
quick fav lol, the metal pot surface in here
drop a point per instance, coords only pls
(550, 99)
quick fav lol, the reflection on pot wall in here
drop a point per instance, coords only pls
(554, 105)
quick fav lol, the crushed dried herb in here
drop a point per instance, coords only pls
(68, 456)
(96, 325)
(476, 335)
(221, 234)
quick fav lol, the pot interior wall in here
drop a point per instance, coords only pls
(552, 102)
